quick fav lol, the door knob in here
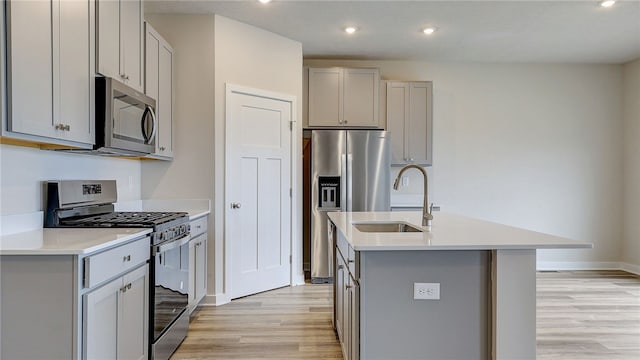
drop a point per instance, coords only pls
(235, 205)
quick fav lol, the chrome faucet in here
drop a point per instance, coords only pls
(426, 211)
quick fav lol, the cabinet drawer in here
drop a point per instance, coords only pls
(343, 247)
(107, 264)
(198, 226)
(351, 263)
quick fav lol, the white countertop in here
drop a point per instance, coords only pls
(66, 241)
(23, 234)
(448, 232)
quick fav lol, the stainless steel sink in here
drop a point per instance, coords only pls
(383, 227)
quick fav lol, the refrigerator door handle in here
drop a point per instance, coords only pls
(349, 182)
(344, 205)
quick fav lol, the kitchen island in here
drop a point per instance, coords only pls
(479, 275)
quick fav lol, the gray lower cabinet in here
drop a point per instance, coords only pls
(92, 306)
(377, 318)
(197, 263)
(347, 300)
(116, 317)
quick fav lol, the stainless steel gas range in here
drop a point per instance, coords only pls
(89, 204)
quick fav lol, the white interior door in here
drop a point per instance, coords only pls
(258, 202)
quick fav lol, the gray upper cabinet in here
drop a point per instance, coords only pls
(120, 37)
(159, 85)
(343, 97)
(410, 122)
(50, 71)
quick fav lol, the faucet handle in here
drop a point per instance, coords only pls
(430, 208)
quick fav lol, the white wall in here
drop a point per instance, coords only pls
(631, 239)
(22, 170)
(533, 146)
(190, 174)
(252, 57)
(211, 51)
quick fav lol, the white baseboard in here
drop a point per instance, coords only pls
(586, 265)
(215, 300)
(634, 269)
(298, 280)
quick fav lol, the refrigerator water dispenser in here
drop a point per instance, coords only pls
(329, 192)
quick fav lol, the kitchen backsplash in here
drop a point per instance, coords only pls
(24, 169)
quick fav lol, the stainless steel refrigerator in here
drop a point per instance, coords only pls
(350, 171)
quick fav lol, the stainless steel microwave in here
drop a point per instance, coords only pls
(125, 120)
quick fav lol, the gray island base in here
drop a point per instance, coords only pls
(485, 306)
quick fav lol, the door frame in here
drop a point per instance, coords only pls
(295, 225)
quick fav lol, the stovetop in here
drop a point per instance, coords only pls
(127, 219)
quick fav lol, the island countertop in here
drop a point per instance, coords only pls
(448, 232)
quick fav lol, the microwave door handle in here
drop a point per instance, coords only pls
(154, 124)
(148, 110)
(143, 123)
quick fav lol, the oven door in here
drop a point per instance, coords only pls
(171, 283)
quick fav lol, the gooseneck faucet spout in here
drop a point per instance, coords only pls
(426, 208)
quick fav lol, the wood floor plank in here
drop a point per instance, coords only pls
(581, 315)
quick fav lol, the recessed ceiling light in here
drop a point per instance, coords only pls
(429, 30)
(607, 3)
(265, 1)
(350, 29)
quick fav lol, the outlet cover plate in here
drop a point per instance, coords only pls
(426, 291)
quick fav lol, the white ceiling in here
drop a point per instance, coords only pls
(560, 31)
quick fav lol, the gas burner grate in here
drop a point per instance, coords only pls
(130, 219)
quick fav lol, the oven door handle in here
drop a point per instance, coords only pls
(171, 245)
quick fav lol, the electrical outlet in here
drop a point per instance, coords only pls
(426, 291)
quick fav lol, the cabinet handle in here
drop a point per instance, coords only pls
(351, 261)
(340, 267)
(162, 148)
(345, 121)
(348, 286)
(235, 205)
(63, 127)
(126, 258)
(125, 288)
(126, 77)
(198, 227)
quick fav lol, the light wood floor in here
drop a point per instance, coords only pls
(581, 315)
(588, 315)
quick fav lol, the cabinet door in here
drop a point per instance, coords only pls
(29, 67)
(360, 99)
(152, 46)
(397, 115)
(325, 96)
(346, 314)
(131, 27)
(132, 317)
(159, 85)
(75, 76)
(201, 268)
(339, 305)
(164, 136)
(354, 308)
(100, 321)
(192, 274)
(108, 39)
(419, 132)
